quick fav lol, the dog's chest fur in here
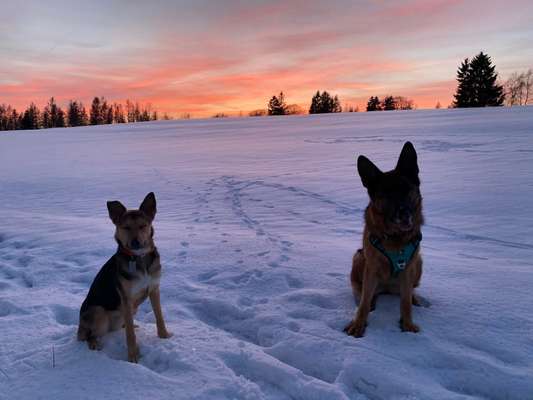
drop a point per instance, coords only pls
(139, 277)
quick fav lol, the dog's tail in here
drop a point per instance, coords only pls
(356, 275)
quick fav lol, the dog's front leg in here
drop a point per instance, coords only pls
(406, 301)
(131, 342)
(358, 325)
(155, 300)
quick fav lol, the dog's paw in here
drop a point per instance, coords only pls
(93, 344)
(355, 328)
(419, 301)
(409, 327)
(134, 355)
(164, 334)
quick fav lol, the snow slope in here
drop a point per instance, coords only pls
(258, 219)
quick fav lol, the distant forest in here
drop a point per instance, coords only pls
(53, 116)
(477, 86)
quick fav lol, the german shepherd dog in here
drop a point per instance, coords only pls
(389, 261)
(126, 280)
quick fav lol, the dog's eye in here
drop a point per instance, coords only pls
(127, 228)
(142, 227)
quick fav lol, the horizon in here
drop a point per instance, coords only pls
(229, 57)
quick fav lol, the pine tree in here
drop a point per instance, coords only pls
(46, 119)
(389, 104)
(53, 115)
(95, 115)
(82, 115)
(324, 103)
(373, 104)
(76, 114)
(73, 113)
(5, 112)
(463, 95)
(107, 113)
(14, 120)
(477, 85)
(31, 118)
(336, 105)
(276, 105)
(315, 104)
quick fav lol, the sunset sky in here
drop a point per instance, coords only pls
(204, 57)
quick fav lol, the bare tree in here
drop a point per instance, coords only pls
(528, 85)
(519, 88)
(294, 109)
(403, 103)
(258, 113)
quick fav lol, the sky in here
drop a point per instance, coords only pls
(205, 57)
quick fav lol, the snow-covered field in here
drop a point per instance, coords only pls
(257, 222)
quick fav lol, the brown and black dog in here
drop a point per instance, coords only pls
(126, 280)
(389, 261)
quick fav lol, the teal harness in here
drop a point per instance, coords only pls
(398, 259)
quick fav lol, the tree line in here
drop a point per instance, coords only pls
(53, 116)
(389, 103)
(477, 86)
(321, 103)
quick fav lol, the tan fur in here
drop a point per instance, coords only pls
(371, 272)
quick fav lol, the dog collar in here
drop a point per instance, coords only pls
(133, 256)
(398, 259)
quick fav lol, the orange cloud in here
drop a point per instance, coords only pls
(234, 57)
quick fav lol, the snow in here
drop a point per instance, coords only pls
(257, 221)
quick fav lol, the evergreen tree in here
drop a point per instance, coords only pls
(145, 115)
(389, 104)
(336, 105)
(5, 112)
(373, 104)
(107, 113)
(477, 85)
(276, 105)
(53, 115)
(31, 118)
(46, 119)
(96, 117)
(463, 95)
(14, 120)
(315, 104)
(76, 114)
(324, 103)
(82, 115)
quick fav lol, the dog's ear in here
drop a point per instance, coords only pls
(148, 206)
(116, 210)
(407, 163)
(368, 172)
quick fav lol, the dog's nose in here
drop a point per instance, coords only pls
(404, 215)
(135, 244)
